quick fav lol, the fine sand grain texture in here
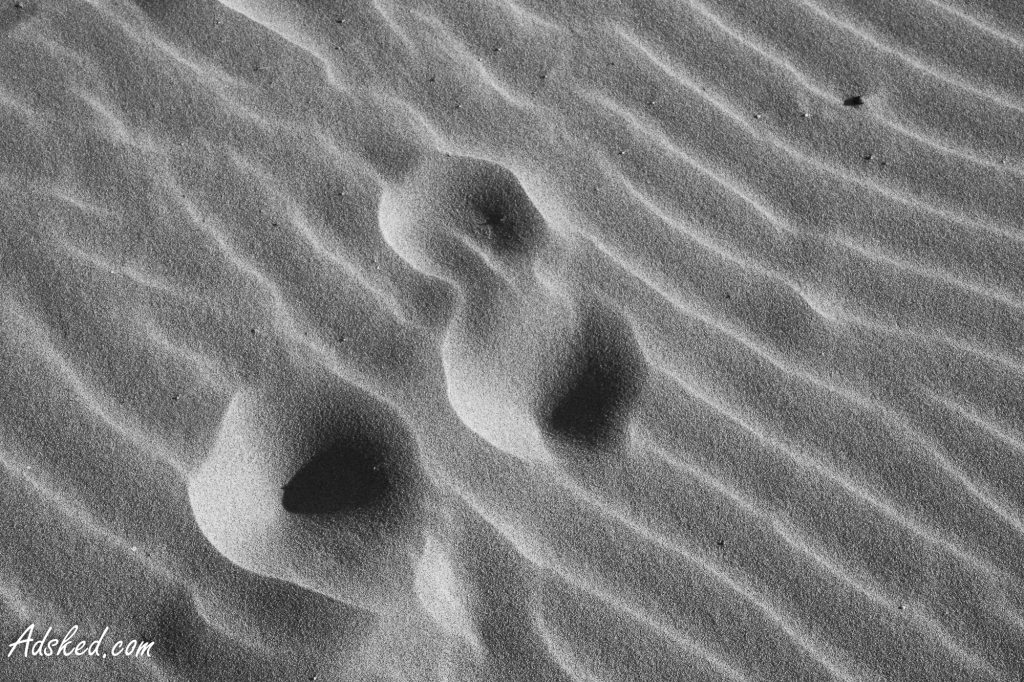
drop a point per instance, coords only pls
(525, 340)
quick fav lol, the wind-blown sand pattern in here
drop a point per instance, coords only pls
(515, 339)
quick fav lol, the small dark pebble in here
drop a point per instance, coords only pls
(854, 101)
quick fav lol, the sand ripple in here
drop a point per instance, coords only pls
(515, 340)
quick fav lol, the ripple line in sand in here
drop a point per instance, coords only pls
(77, 514)
(146, 280)
(90, 397)
(813, 464)
(731, 186)
(848, 316)
(828, 98)
(139, 34)
(733, 332)
(1014, 40)
(1000, 433)
(276, 23)
(876, 254)
(562, 653)
(934, 71)
(947, 213)
(368, 279)
(648, 621)
(457, 49)
(702, 241)
(797, 540)
(721, 574)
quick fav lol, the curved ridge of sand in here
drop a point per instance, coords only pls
(514, 339)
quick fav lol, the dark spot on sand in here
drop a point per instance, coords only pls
(854, 101)
(591, 402)
(503, 220)
(493, 218)
(585, 410)
(345, 473)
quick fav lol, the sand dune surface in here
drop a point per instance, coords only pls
(514, 339)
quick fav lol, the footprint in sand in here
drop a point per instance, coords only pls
(312, 481)
(536, 366)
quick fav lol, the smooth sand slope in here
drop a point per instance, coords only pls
(514, 340)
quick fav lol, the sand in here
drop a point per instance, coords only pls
(513, 339)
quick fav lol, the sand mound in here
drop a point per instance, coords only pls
(313, 482)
